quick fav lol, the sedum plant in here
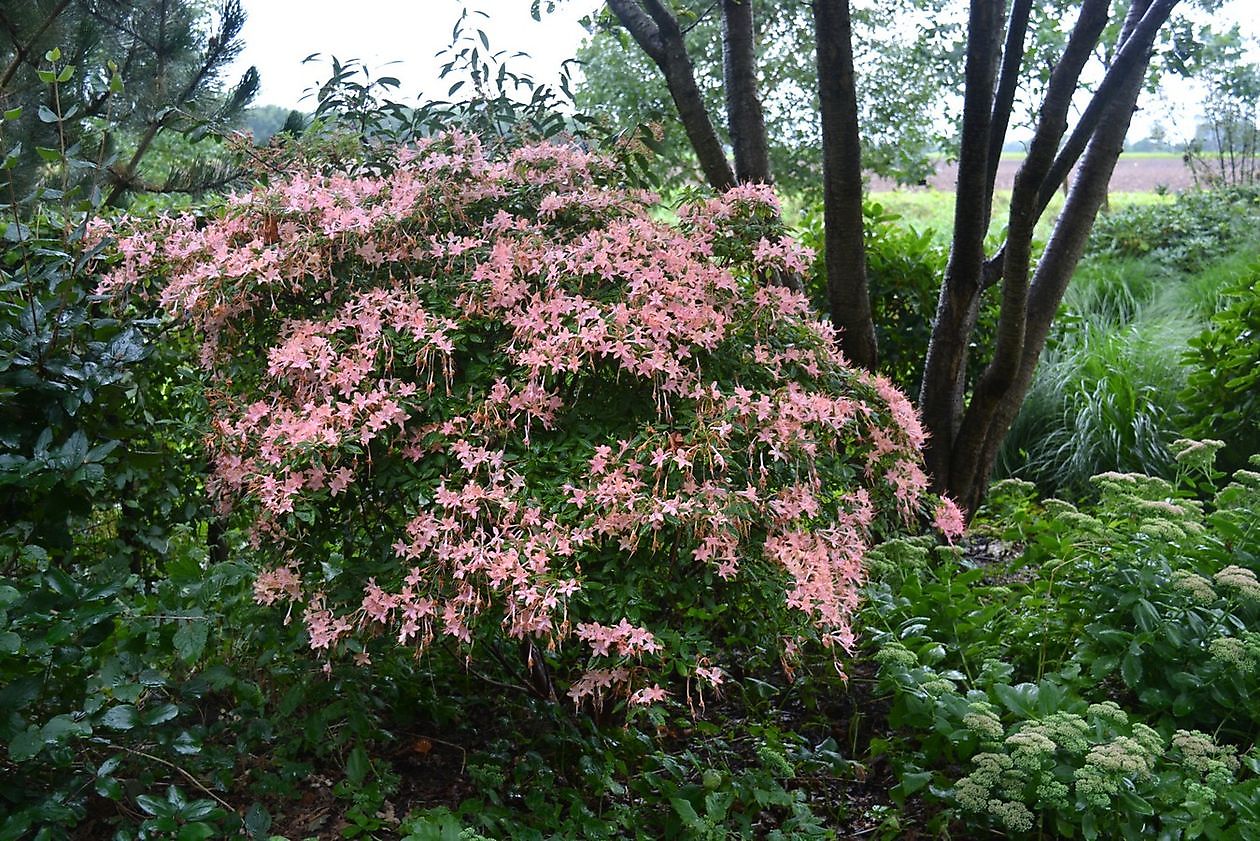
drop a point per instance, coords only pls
(489, 404)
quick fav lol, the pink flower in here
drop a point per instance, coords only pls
(949, 519)
(648, 695)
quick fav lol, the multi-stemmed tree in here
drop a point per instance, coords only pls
(967, 420)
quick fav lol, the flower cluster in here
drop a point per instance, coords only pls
(451, 399)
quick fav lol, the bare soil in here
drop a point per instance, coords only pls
(1133, 174)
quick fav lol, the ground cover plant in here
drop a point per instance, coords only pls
(1097, 683)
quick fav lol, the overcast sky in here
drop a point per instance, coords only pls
(280, 33)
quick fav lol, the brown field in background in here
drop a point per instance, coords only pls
(1134, 174)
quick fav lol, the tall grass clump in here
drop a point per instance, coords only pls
(1107, 399)
(1111, 391)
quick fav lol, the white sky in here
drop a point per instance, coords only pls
(280, 33)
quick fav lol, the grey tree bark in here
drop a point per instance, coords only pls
(844, 236)
(745, 120)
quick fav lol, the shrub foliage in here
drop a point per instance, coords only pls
(470, 401)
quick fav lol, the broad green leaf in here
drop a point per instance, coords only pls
(190, 639)
(357, 766)
(26, 744)
(121, 717)
(158, 715)
(1131, 669)
(62, 726)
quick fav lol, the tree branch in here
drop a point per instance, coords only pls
(1132, 56)
(656, 31)
(23, 51)
(1008, 84)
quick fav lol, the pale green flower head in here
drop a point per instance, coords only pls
(982, 719)
(1233, 654)
(897, 555)
(1203, 755)
(893, 654)
(1012, 815)
(974, 791)
(1198, 456)
(1028, 746)
(936, 687)
(1241, 582)
(1125, 756)
(1194, 586)
(1109, 711)
(1052, 793)
(1068, 731)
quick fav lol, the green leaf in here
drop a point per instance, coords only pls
(357, 766)
(158, 715)
(155, 806)
(257, 821)
(190, 639)
(1131, 669)
(195, 832)
(121, 717)
(199, 810)
(686, 811)
(47, 115)
(109, 788)
(1021, 699)
(13, 114)
(26, 744)
(62, 726)
(49, 155)
(10, 642)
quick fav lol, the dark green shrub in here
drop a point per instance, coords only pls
(1222, 395)
(904, 268)
(1200, 227)
(105, 604)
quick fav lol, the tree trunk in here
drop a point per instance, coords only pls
(745, 120)
(842, 184)
(998, 377)
(657, 32)
(964, 438)
(976, 452)
(945, 370)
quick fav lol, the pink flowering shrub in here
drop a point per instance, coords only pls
(474, 400)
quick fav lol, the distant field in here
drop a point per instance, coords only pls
(934, 209)
(1135, 172)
